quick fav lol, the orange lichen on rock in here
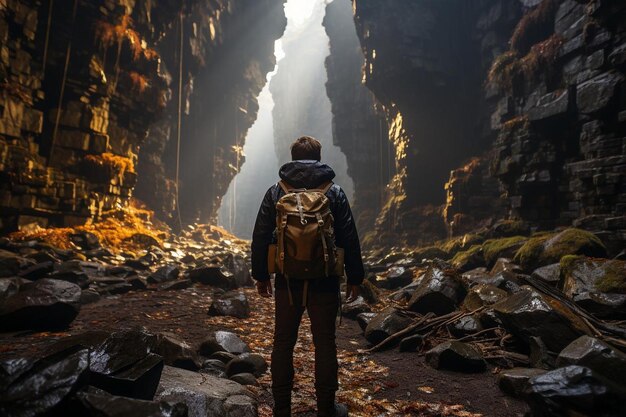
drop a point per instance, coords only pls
(116, 230)
(510, 73)
(108, 34)
(113, 164)
(139, 82)
(534, 25)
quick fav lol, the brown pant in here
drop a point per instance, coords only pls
(322, 309)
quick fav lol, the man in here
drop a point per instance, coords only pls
(322, 295)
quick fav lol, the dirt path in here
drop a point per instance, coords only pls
(388, 383)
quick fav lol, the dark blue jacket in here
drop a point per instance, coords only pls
(307, 174)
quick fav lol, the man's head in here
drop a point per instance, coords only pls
(306, 147)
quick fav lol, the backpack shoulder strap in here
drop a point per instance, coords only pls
(323, 188)
(286, 187)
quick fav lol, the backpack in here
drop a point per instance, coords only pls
(305, 235)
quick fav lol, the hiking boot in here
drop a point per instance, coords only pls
(341, 410)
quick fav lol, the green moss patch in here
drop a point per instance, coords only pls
(614, 279)
(550, 248)
(469, 259)
(504, 247)
(429, 252)
(460, 243)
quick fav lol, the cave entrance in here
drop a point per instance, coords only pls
(292, 103)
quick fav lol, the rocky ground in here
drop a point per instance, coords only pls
(493, 324)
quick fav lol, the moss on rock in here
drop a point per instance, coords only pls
(550, 248)
(429, 252)
(499, 248)
(614, 279)
(469, 259)
(452, 246)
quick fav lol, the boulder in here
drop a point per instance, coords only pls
(364, 319)
(550, 248)
(8, 287)
(469, 259)
(529, 313)
(42, 305)
(37, 271)
(247, 362)
(595, 354)
(494, 249)
(164, 274)
(205, 395)
(179, 284)
(384, 324)
(234, 304)
(239, 269)
(353, 309)
(512, 381)
(440, 291)
(244, 379)
(213, 275)
(394, 277)
(11, 263)
(176, 352)
(456, 356)
(119, 288)
(95, 402)
(85, 240)
(475, 276)
(505, 265)
(465, 326)
(34, 387)
(550, 274)
(574, 390)
(539, 355)
(124, 364)
(483, 295)
(139, 283)
(223, 357)
(412, 343)
(598, 285)
(88, 296)
(222, 341)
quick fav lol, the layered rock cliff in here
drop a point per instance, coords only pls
(86, 84)
(532, 89)
(358, 125)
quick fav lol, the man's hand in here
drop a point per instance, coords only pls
(264, 288)
(352, 292)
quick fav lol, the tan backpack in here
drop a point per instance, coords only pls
(305, 235)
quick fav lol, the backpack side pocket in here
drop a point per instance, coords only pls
(271, 258)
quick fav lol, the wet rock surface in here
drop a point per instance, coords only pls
(599, 285)
(34, 387)
(204, 394)
(456, 356)
(574, 389)
(44, 304)
(384, 324)
(440, 291)
(233, 304)
(529, 313)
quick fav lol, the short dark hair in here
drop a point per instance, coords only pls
(306, 147)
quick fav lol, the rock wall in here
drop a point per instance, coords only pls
(359, 127)
(112, 68)
(532, 89)
(426, 62)
(561, 151)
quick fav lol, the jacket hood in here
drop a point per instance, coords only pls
(306, 174)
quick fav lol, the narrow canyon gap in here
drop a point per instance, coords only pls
(297, 104)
